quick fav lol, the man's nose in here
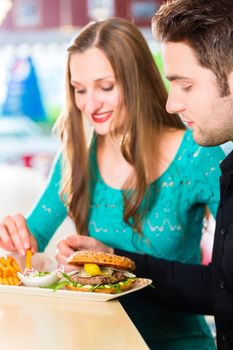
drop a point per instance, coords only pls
(174, 105)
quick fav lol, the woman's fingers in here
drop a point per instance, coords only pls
(78, 242)
(62, 260)
(73, 243)
(14, 234)
(90, 243)
(65, 249)
(5, 238)
(67, 246)
(23, 232)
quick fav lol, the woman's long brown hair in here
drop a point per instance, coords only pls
(144, 99)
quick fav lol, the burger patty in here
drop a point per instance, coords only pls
(117, 276)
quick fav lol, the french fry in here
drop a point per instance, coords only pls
(3, 261)
(9, 259)
(28, 259)
(13, 281)
(10, 280)
(11, 271)
(4, 272)
(15, 265)
(16, 280)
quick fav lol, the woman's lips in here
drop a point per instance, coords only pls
(102, 119)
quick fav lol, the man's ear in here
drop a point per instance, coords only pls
(230, 82)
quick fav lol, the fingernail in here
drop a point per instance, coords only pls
(26, 245)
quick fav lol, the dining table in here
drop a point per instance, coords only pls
(52, 323)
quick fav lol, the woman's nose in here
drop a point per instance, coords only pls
(93, 103)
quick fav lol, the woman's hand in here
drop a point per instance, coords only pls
(15, 235)
(70, 244)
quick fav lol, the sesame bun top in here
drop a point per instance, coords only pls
(102, 259)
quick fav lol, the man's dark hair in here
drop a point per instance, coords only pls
(206, 26)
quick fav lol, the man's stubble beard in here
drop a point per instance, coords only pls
(221, 117)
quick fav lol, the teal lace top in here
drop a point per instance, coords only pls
(172, 227)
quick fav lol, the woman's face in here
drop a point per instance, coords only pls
(96, 93)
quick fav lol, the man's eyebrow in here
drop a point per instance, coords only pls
(176, 77)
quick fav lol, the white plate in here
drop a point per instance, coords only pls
(69, 294)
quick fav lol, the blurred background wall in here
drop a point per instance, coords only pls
(34, 35)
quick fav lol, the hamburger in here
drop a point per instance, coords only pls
(101, 272)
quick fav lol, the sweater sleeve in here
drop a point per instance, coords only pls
(183, 287)
(49, 211)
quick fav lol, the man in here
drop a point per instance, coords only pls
(197, 48)
(197, 43)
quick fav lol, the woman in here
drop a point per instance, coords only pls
(141, 186)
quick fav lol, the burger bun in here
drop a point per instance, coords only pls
(82, 257)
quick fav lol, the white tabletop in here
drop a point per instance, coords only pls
(35, 322)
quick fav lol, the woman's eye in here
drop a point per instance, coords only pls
(79, 91)
(107, 88)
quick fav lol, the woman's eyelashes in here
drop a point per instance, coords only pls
(79, 91)
(107, 88)
(102, 88)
